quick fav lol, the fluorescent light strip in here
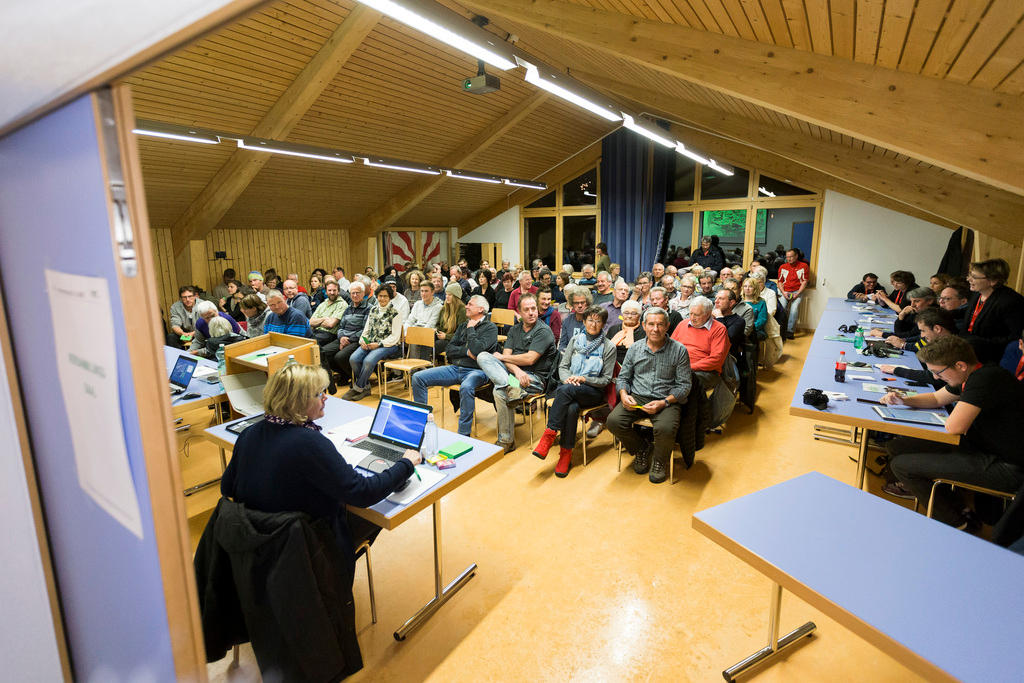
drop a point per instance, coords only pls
(259, 146)
(631, 124)
(427, 170)
(472, 176)
(525, 183)
(174, 136)
(765, 192)
(724, 170)
(533, 76)
(435, 30)
(681, 148)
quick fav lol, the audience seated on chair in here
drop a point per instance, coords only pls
(603, 290)
(548, 313)
(380, 339)
(470, 339)
(521, 367)
(794, 276)
(905, 332)
(707, 342)
(584, 374)
(525, 286)
(183, 316)
(296, 299)
(580, 299)
(751, 294)
(989, 414)
(932, 323)
(284, 319)
(652, 383)
(335, 355)
(659, 298)
(902, 282)
(725, 301)
(1013, 358)
(208, 311)
(620, 295)
(327, 316)
(426, 311)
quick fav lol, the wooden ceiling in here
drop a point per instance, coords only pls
(918, 106)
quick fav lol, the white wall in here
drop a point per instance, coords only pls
(28, 642)
(858, 237)
(503, 229)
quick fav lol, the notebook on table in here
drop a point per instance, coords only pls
(921, 417)
(181, 374)
(397, 425)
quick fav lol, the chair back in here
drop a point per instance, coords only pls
(421, 336)
(503, 317)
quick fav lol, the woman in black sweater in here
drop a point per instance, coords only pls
(284, 464)
(995, 313)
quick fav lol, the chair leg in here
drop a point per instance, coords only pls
(672, 466)
(583, 437)
(369, 581)
(234, 659)
(931, 500)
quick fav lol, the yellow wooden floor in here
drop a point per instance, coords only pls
(599, 576)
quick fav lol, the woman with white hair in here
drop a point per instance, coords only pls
(623, 334)
(207, 311)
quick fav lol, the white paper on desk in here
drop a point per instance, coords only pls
(259, 356)
(350, 430)
(88, 384)
(862, 378)
(245, 391)
(895, 365)
(416, 488)
(202, 372)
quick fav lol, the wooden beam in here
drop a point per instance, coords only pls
(970, 131)
(750, 156)
(230, 181)
(564, 172)
(960, 200)
(412, 194)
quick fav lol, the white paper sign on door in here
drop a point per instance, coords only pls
(87, 368)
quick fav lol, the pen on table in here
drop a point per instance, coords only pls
(416, 472)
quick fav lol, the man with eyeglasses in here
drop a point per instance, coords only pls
(989, 414)
(183, 315)
(953, 298)
(580, 299)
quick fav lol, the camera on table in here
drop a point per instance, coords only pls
(816, 398)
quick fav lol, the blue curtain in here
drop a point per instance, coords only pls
(633, 178)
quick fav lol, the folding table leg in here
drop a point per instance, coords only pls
(775, 644)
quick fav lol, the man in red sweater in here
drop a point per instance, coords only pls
(707, 343)
(793, 277)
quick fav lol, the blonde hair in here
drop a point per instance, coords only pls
(290, 390)
(756, 284)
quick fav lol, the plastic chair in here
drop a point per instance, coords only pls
(419, 336)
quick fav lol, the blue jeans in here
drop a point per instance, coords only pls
(364, 362)
(498, 374)
(793, 310)
(468, 380)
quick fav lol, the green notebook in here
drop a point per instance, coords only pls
(456, 449)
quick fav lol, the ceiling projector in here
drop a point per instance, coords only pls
(482, 83)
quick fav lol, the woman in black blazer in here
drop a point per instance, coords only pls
(995, 313)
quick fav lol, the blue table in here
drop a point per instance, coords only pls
(819, 372)
(389, 515)
(944, 603)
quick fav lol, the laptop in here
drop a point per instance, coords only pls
(181, 375)
(397, 425)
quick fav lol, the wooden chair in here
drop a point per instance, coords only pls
(646, 422)
(419, 336)
(364, 549)
(970, 487)
(503, 318)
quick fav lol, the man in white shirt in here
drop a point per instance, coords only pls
(339, 275)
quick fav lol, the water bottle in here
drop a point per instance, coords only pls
(841, 367)
(429, 448)
(222, 365)
(291, 360)
(858, 339)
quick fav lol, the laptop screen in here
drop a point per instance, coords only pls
(400, 422)
(181, 375)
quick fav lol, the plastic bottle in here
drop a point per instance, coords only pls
(858, 339)
(429, 447)
(222, 365)
(291, 360)
(841, 367)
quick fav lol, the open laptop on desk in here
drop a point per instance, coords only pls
(181, 374)
(397, 425)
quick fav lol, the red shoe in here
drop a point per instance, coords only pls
(547, 439)
(564, 462)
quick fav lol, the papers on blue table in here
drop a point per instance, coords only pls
(416, 487)
(902, 414)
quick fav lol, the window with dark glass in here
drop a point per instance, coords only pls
(715, 185)
(682, 173)
(675, 243)
(778, 188)
(578, 238)
(581, 191)
(540, 239)
(545, 202)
